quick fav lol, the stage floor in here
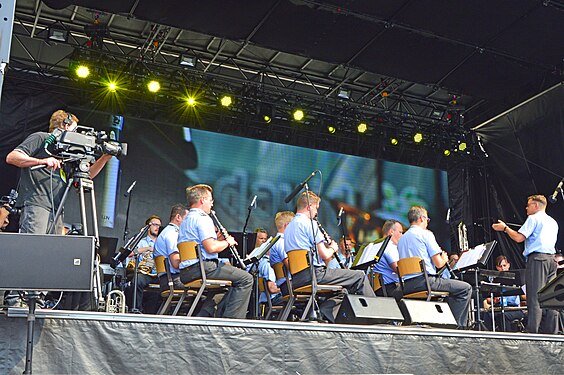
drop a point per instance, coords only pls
(70, 342)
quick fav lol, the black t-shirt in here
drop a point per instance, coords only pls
(40, 187)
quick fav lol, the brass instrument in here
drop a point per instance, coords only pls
(223, 231)
(146, 264)
(462, 237)
(115, 302)
(328, 240)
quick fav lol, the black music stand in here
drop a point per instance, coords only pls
(499, 290)
(238, 236)
(370, 254)
(252, 263)
(473, 260)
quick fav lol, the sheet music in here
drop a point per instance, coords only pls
(470, 257)
(369, 253)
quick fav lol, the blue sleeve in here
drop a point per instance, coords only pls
(170, 243)
(206, 228)
(529, 227)
(433, 247)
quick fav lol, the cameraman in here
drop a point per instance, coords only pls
(4, 213)
(41, 189)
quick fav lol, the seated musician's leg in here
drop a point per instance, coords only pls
(459, 297)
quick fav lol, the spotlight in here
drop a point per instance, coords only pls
(226, 101)
(394, 141)
(191, 101)
(82, 71)
(153, 86)
(362, 127)
(331, 129)
(298, 115)
(418, 137)
(267, 119)
(112, 86)
(265, 112)
(58, 34)
(462, 146)
(344, 94)
(446, 152)
(187, 60)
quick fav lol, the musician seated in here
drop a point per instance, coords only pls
(199, 227)
(345, 255)
(388, 264)
(514, 319)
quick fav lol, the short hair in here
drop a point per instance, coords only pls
(261, 230)
(500, 259)
(282, 218)
(194, 193)
(388, 224)
(178, 209)
(303, 199)
(415, 213)
(58, 118)
(151, 219)
(538, 198)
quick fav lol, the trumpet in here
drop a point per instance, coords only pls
(328, 240)
(223, 231)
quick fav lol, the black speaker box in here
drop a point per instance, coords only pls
(436, 314)
(368, 310)
(552, 294)
(46, 262)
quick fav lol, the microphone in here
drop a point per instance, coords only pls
(448, 216)
(253, 203)
(298, 188)
(126, 194)
(340, 212)
(553, 198)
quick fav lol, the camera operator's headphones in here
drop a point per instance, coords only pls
(68, 120)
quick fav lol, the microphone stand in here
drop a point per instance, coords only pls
(245, 234)
(315, 312)
(126, 229)
(134, 309)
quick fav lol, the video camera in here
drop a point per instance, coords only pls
(9, 202)
(84, 143)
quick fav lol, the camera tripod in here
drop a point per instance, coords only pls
(80, 179)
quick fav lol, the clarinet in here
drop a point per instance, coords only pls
(328, 240)
(223, 231)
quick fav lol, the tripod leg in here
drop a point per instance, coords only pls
(53, 224)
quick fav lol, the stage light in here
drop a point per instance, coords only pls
(418, 137)
(331, 129)
(394, 141)
(153, 86)
(344, 94)
(226, 101)
(298, 115)
(265, 112)
(58, 34)
(187, 60)
(82, 71)
(437, 114)
(267, 119)
(446, 152)
(462, 146)
(191, 101)
(362, 127)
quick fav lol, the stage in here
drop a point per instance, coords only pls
(71, 342)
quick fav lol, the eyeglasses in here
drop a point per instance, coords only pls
(426, 218)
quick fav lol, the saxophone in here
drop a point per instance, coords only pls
(115, 302)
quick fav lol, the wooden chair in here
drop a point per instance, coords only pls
(378, 283)
(268, 305)
(409, 266)
(170, 296)
(191, 251)
(299, 260)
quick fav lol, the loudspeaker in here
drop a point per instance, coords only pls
(552, 294)
(368, 310)
(436, 314)
(46, 262)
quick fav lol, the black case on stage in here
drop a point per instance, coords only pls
(46, 262)
(357, 309)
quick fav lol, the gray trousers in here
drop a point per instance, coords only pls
(35, 219)
(354, 281)
(236, 301)
(541, 268)
(459, 294)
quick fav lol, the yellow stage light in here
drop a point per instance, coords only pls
(362, 127)
(298, 115)
(446, 152)
(112, 86)
(226, 101)
(331, 129)
(82, 71)
(418, 137)
(394, 141)
(191, 101)
(462, 146)
(154, 86)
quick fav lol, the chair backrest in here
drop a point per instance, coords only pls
(279, 270)
(407, 266)
(261, 284)
(160, 263)
(188, 250)
(298, 261)
(377, 281)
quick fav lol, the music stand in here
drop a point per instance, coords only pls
(370, 254)
(252, 263)
(472, 260)
(238, 236)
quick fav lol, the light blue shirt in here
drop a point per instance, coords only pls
(298, 236)
(419, 242)
(267, 273)
(166, 245)
(541, 233)
(277, 255)
(347, 262)
(198, 227)
(384, 268)
(147, 242)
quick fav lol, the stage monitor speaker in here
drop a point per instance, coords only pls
(436, 314)
(552, 294)
(368, 310)
(46, 262)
